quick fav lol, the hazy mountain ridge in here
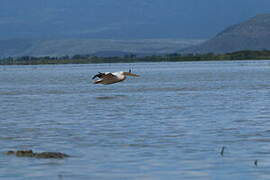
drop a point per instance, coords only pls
(145, 26)
(253, 34)
(100, 47)
(15, 47)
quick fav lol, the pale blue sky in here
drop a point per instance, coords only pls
(123, 19)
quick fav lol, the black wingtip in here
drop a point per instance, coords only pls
(99, 75)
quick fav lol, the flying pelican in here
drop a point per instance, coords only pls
(111, 78)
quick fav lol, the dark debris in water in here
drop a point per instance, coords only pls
(256, 162)
(110, 97)
(30, 153)
(222, 151)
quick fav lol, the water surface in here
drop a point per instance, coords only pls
(170, 123)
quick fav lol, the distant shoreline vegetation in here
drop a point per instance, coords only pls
(174, 57)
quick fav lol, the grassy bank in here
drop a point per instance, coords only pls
(87, 59)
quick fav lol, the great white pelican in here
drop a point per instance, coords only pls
(111, 78)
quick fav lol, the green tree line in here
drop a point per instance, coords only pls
(174, 57)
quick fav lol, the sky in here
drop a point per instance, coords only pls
(123, 19)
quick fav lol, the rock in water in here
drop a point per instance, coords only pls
(30, 153)
(51, 155)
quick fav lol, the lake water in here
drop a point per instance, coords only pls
(170, 123)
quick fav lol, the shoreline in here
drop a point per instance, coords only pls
(175, 57)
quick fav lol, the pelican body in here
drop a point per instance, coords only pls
(111, 78)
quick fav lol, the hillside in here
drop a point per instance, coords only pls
(253, 34)
(99, 47)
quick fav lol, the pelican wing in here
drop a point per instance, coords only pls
(108, 76)
(102, 75)
(99, 75)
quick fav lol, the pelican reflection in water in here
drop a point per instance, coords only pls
(111, 78)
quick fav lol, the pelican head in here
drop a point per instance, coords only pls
(130, 74)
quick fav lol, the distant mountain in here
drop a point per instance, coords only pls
(253, 34)
(97, 47)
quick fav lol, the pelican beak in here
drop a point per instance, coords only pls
(132, 74)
